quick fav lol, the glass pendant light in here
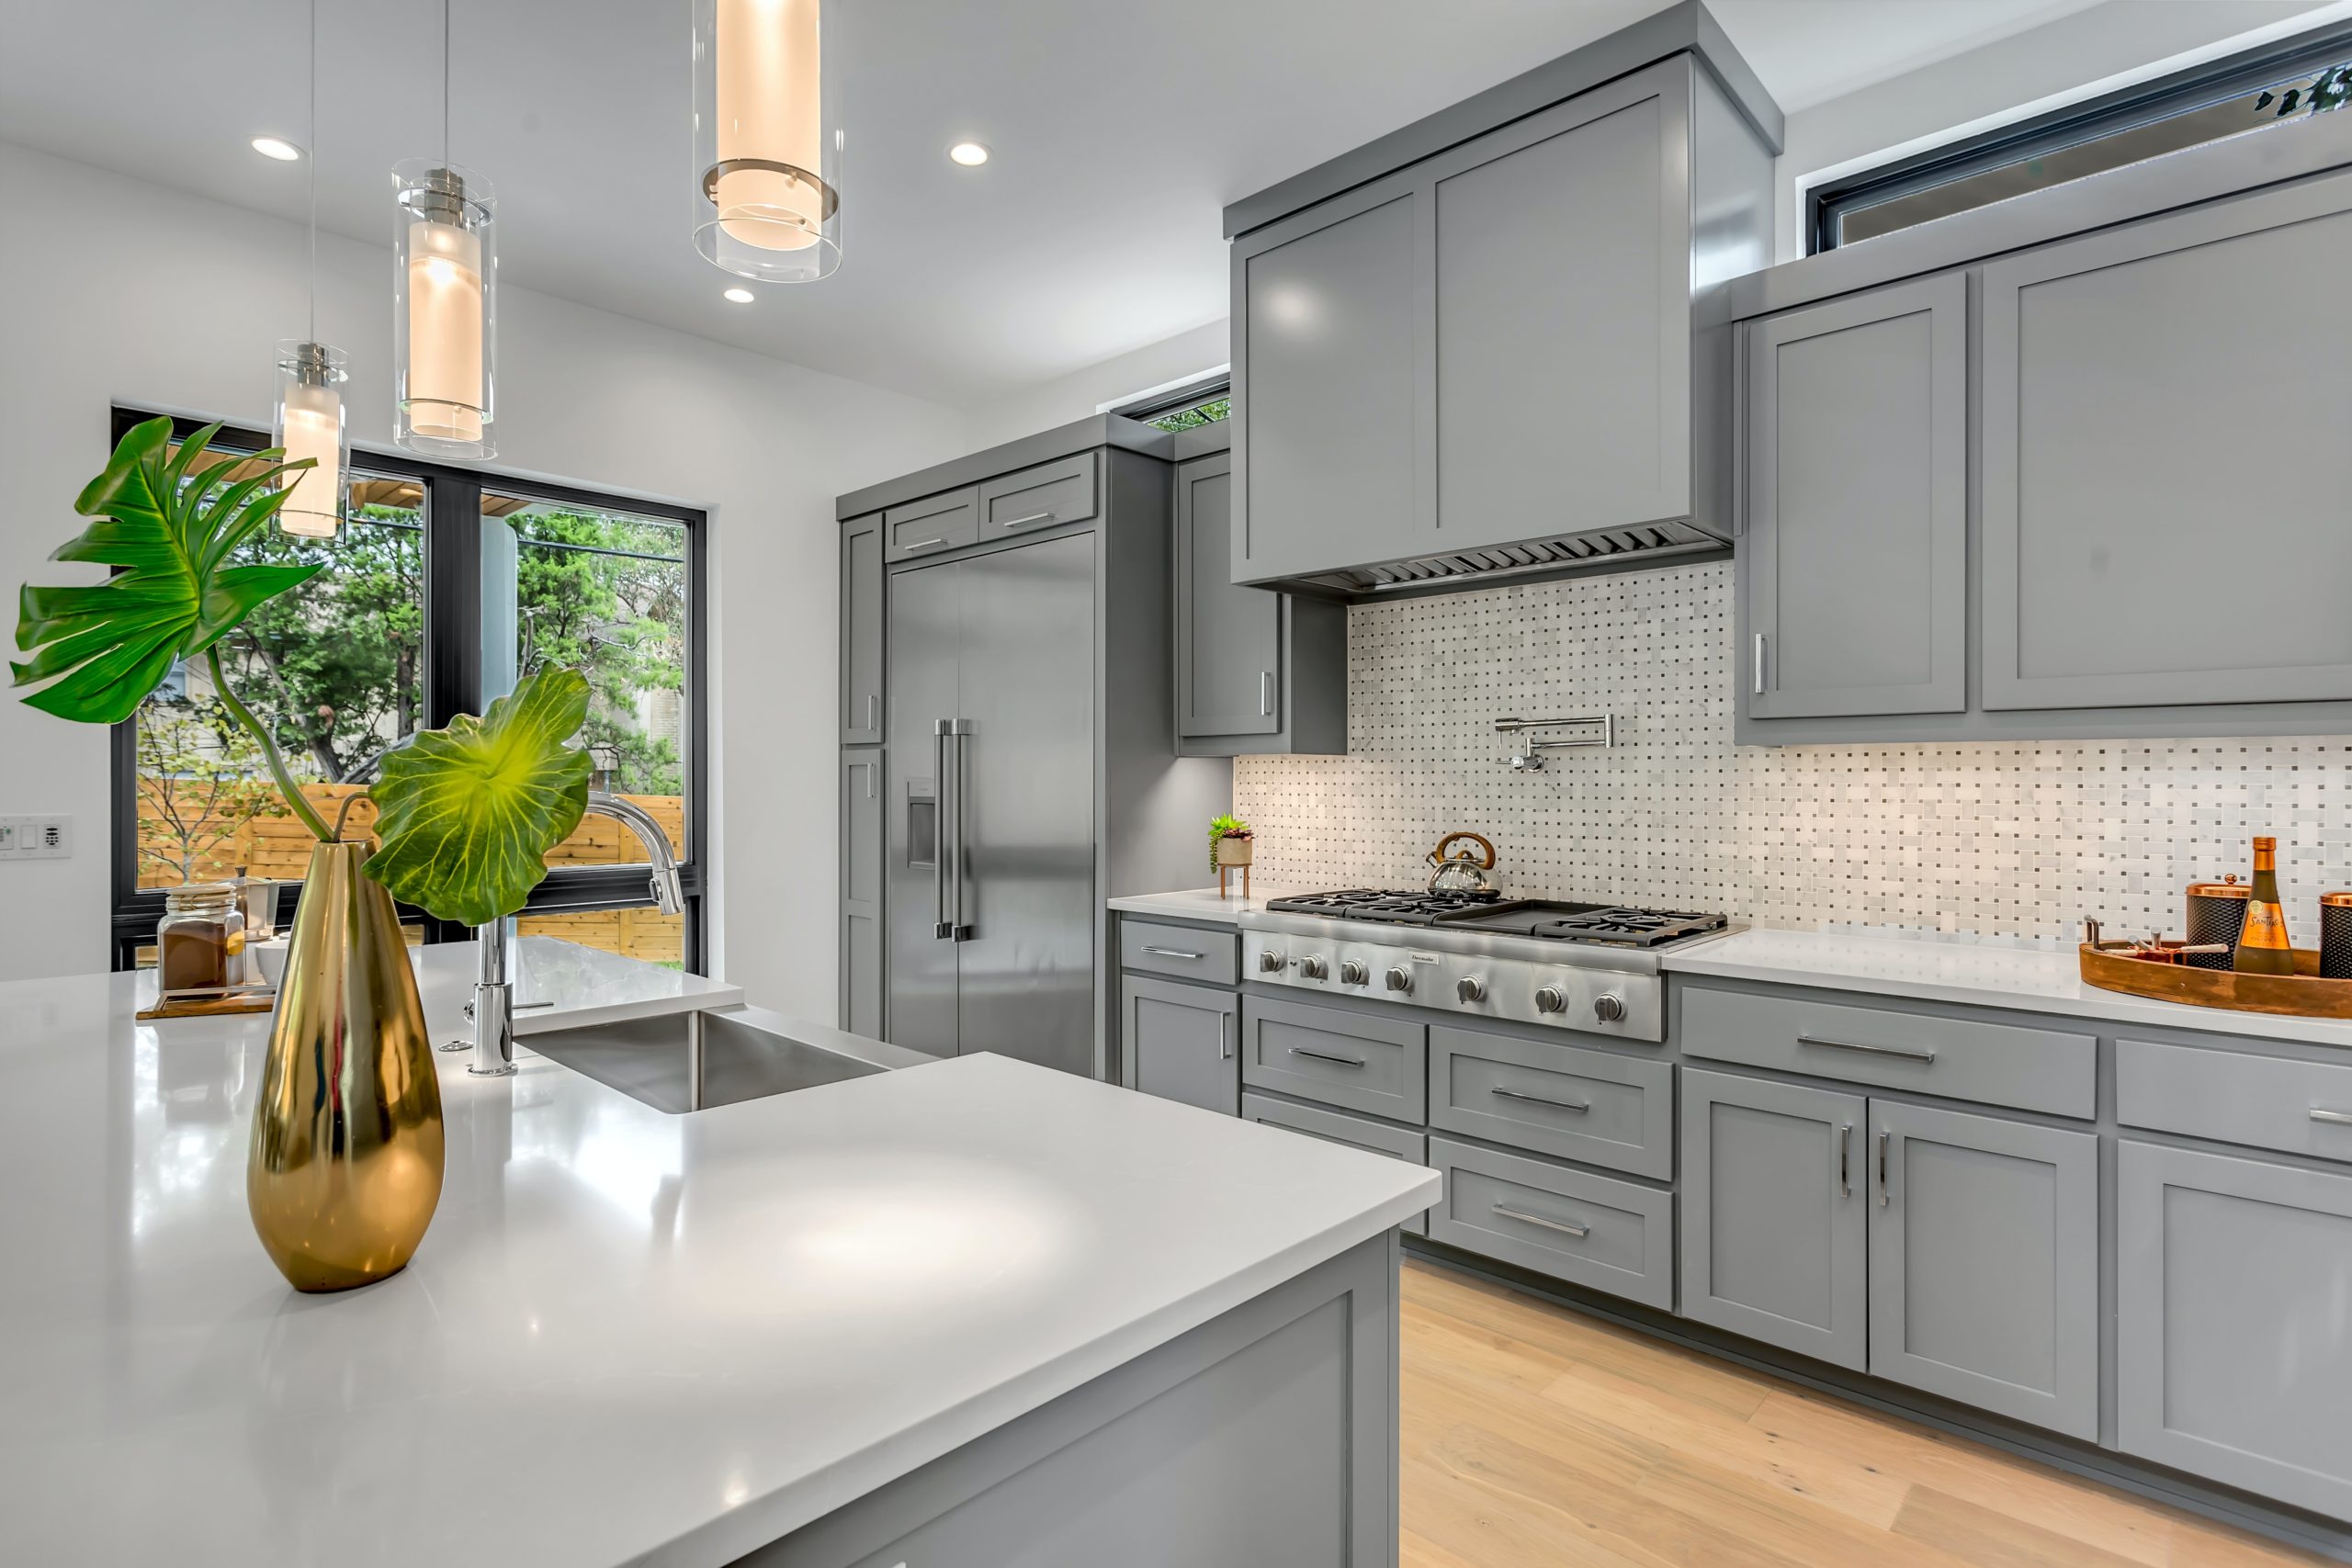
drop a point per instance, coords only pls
(767, 139)
(444, 297)
(308, 421)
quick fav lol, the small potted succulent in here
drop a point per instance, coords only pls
(1231, 844)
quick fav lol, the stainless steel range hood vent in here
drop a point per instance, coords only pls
(1599, 548)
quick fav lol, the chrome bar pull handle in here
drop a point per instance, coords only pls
(1173, 953)
(1541, 1099)
(1845, 1164)
(2339, 1118)
(1225, 1036)
(1756, 666)
(873, 712)
(942, 928)
(922, 544)
(1266, 694)
(962, 922)
(1327, 1056)
(1045, 517)
(1884, 1138)
(1523, 1217)
(1908, 1053)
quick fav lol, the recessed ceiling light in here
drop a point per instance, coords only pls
(971, 154)
(740, 296)
(273, 147)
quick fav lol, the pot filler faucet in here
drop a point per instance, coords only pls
(493, 1009)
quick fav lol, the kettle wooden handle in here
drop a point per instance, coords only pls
(1437, 855)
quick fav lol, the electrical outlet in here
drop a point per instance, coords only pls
(36, 838)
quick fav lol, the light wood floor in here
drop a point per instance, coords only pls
(1534, 1435)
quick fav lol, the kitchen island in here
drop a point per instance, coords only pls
(940, 1314)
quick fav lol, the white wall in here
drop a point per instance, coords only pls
(2073, 57)
(113, 290)
(1080, 393)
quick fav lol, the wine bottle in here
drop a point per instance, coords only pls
(2262, 948)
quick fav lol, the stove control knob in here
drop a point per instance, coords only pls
(1312, 968)
(1551, 999)
(1352, 972)
(1609, 1007)
(1400, 978)
(1470, 988)
(1269, 962)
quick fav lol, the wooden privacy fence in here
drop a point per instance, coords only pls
(280, 847)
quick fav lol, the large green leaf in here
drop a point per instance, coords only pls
(469, 812)
(104, 645)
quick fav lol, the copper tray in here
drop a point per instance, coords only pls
(2303, 994)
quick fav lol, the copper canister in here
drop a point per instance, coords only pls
(2335, 935)
(2216, 913)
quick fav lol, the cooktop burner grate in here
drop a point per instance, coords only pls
(1550, 920)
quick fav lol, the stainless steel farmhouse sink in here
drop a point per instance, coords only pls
(745, 1053)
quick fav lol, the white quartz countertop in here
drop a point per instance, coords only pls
(2033, 979)
(1198, 902)
(561, 984)
(629, 1336)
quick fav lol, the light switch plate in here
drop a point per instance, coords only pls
(36, 838)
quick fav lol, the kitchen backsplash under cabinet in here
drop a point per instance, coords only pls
(1990, 838)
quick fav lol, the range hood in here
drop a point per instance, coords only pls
(1592, 549)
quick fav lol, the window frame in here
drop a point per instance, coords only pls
(452, 682)
(1149, 406)
(2141, 103)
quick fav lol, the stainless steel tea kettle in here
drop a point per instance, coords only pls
(1463, 872)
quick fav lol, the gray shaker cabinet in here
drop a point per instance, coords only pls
(1258, 673)
(1180, 1042)
(1855, 422)
(2231, 1358)
(862, 934)
(1984, 1263)
(862, 631)
(2164, 459)
(1774, 1220)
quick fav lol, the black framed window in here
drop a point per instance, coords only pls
(1197, 403)
(446, 586)
(2250, 91)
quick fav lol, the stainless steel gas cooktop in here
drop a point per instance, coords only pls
(1585, 967)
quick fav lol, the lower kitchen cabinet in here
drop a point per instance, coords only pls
(1775, 1233)
(1588, 1230)
(1377, 1064)
(1178, 1041)
(862, 934)
(1983, 1263)
(2234, 1279)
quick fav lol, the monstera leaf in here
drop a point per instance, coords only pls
(172, 596)
(469, 812)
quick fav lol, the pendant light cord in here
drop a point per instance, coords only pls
(313, 334)
(445, 83)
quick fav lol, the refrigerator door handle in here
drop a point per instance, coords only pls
(942, 929)
(959, 927)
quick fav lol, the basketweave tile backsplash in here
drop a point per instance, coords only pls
(1980, 839)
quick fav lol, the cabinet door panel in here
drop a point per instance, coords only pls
(1562, 320)
(2234, 1349)
(1984, 1263)
(1857, 524)
(1773, 1227)
(1326, 350)
(862, 632)
(1178, 1041)
(2164, 467)
(861, 873)
(1228, 655)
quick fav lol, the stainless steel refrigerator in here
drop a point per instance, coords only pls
(992, 902)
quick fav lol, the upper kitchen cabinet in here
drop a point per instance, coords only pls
(862, 631)
(1258, 673)
(2165, 460)
(1855, 560)
(1471, 348)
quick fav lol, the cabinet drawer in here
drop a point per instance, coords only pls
(1992, 1063)
(934, 524)
(1379, 1064)
(2304, 1108)
(1590, 1230)
(1187, 953)
(1591, 1106)
(1339, 1127)
(1043, 497)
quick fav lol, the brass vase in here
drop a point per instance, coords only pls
(345, 1169)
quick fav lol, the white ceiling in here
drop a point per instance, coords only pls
(1120, 127)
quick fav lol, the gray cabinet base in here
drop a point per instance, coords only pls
(2310, 1531)
(1266, 1435)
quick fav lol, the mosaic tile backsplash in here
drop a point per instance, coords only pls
(1983, 840)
